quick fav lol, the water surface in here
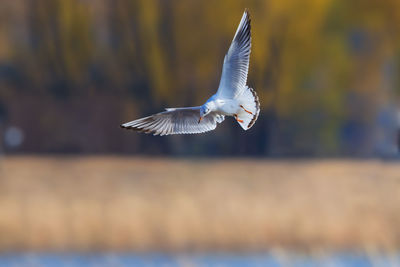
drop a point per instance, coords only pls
(210, 259)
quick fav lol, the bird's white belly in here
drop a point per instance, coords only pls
(228, 107)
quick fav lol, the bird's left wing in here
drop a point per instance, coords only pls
(176, 121)
(236, 61)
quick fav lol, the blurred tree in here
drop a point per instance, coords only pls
(60, 47)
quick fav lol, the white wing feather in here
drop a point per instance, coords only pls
(236, 61)
(176, 121)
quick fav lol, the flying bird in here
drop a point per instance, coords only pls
(233, 97)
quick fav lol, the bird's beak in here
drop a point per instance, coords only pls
(200, 119)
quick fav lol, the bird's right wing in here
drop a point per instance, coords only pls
(236, 61)
(176, 121)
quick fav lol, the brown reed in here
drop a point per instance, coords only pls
(143, 204)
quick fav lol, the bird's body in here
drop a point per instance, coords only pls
(233, 97)
(224, 106)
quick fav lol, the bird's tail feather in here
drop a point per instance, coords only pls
(250, 102)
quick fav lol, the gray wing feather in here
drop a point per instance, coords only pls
(236, 61)
(176, 121)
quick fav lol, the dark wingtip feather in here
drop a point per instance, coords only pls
(257, 102)
(246, 10)
(126, 127)
(129, 127)
(136, 129)
(244, 35)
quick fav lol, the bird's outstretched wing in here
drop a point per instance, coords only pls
(236, 61)
(176, 121)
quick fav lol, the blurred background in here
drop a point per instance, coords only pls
(326, 72)
(317, 174)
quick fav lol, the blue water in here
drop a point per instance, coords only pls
(211, 259)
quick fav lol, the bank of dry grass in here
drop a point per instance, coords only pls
(121, 203)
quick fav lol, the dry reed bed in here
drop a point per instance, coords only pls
(122, 203)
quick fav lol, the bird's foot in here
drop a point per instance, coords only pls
(237, 119)
(246, 110)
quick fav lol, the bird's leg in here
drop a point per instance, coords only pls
(236, 117)
(246, 110)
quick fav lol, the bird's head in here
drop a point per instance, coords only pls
(204, 110)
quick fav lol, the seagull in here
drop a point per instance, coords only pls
(233, 97)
